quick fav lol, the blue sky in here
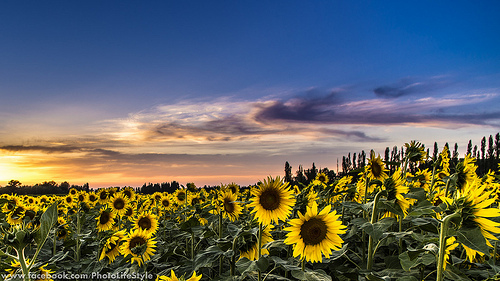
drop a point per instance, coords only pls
(126, 92)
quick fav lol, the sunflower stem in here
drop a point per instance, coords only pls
(220, 237)
(192, 244)
(303, 265)
(259, 248)
(54, 240)
(442, 244)
(400, 222)
(371, 252)
(24, 267)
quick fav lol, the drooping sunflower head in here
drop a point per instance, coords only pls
(415, 152)
(92, 198)
(466, 172)
(16, 216)
(106, 219)
(315, 234)
(273, 200)
(118, 203)
(396, 188)
(376, 168)
(475, 211)
(111, 248)
(81, 197)
(249, 247)
(231, 208)
(147, 223)
(139, 245)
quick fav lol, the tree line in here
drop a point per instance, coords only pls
(487, 156)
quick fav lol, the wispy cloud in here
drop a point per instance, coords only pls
(411, 86)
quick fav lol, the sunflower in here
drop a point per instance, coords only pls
(92, 198)
(102, 194)
(45, 274)
(234, 188)
(475, 213)
(180, 196)
(16, 215)
(81, 197)
(321, 179)
(69, 200)
(118, 203)
(376, 168)
(272, 201)
(314, 234)
(139, 245)
(466, 172)
(232, 209)
(450, 246)
(172, 277)
(396, 188)
(415, 152)
(129, 193)
(249, 249)
(63, 233)
(111, 248)
(146, 222)
(194, 199)
(105, 220)
(130, 211)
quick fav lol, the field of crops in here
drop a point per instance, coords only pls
(437, 223)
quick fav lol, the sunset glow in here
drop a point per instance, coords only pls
(228, 92)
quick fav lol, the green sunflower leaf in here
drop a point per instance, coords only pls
(473, 238)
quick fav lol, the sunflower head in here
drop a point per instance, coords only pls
(321, 179)
(315, 234)
(118, 203)
(180, 196)
(106, 219)
(139, 245)
(376, 168)
(273, 200)
(147, 223)
(415, 152)
(231, 208)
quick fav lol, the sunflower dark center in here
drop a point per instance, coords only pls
(69, 199)
(232, 188)
(92, 198)
(119, 204)
(144, 223)
(195, 201)
(376, 169)
(313, 231)
(228, 206)
(157, 197)
(165, 203)
(137, 241)
(127, 193)
(111, 248)
(181, 196)
(270, 199)
(322, 178)
(81, 197)
(129, 212)
(62, 233)
(104, 218)
(103, 195)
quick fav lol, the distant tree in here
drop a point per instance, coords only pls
(469, 148)
(288, 172)
(435, 153)
(483, 147)
(491, 148)
(455, 153)
(299, 175)
(474, 152)
(190, 186)
(448, 149)
(386, 154)
(354, 160)
(497, 145)
(363, 156)
(14, 183)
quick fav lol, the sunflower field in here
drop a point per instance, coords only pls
(438, 223)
